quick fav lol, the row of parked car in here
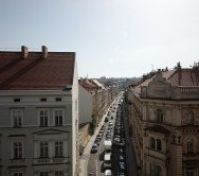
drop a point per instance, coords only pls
(112, 130)
(119, 143)
(98, 139)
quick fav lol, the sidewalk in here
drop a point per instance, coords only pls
(84, 158)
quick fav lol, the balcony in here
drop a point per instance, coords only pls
(54, 160)
(156, 154)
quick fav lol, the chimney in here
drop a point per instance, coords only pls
(24, 52)
(179, 69)
(44, 52)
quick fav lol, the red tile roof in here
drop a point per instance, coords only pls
(34, 72)
(89, 84)
(189, 78)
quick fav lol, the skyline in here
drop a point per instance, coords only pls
(111, 38)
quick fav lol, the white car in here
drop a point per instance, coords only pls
(107, 172)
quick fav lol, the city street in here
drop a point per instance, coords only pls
(116, 130)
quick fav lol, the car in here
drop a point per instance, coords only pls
(110, 123)
(107, 165)
(107, 172)
(99, 136)
(121, 150)
(106, 119)
(122, 165)
(121, 157)
(94, 148)
(116, 139)
(121, 173)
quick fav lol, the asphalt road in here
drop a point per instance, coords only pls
(96, 160)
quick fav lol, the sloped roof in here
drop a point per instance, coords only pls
(54, 72)
(89, 84)
(188, 78)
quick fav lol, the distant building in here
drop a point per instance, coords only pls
(38, 113)
(164, 115)
(101, 96)
(85, 116)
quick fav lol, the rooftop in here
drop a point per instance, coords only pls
(36, 70)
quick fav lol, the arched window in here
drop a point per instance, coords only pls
(160, 116)
(190, 146)
(159, 144)
(152, 143)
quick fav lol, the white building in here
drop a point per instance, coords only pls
(85, 105)
(38, 113)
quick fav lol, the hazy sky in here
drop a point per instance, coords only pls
(110, 37)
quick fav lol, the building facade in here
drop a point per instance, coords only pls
(38, 113)
(164, 115)
(85, 117)
(101, 97)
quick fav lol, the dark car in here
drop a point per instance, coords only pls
(107, 165)
(106, 119)
(122, 165)
(94, 148)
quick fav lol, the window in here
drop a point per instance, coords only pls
(59, 173)
(59, 149)
(179, 139)
(18, 174)
(43, 174)
(17, 117)
(190, 172)
(58, 117)
(17, 150)
(44, 150)
(152, 143)
(58, 99)
(159, 145)
(16, 100)
(190, 146)
(160, 116)
(43, 99)
(43, 115)
(173, 139)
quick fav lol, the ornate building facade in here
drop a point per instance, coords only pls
(164, 116)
